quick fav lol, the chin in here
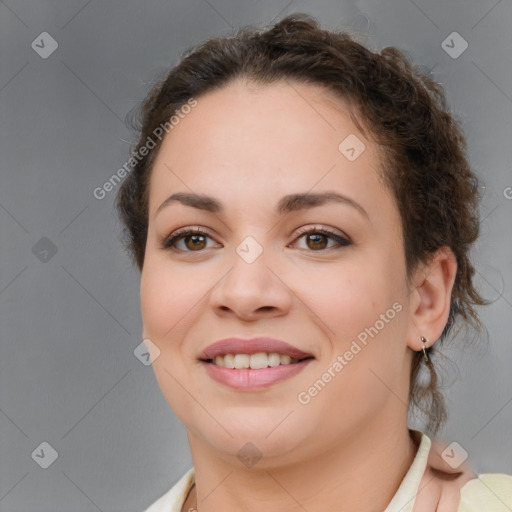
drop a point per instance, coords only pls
(261, 431)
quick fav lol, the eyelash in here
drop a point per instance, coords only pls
(168, 242)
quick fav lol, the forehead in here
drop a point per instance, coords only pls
(265, 140)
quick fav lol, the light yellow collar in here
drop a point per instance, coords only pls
(403, 500)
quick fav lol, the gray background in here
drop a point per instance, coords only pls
(70, 321)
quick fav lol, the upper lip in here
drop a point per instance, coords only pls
(251, 346)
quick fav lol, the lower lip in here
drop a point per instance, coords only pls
(249, 380)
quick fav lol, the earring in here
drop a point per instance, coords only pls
(424, 341)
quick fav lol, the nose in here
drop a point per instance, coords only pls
(252, 290)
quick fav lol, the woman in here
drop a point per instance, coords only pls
(301, 210)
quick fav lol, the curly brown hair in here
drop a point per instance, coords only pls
(393, 103)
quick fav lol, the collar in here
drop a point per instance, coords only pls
(405, 496)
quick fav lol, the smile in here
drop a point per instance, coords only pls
(256, 361)
(244, 372)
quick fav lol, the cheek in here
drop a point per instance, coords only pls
(363, 309)
(167, 307)
(167, 300)
(351, 300)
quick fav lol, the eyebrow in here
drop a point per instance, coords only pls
(288, 203)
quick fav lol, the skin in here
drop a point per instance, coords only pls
(248, 146)
(440, 485)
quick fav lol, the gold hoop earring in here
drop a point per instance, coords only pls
(424, 341)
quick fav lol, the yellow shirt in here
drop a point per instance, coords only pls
(487, 493)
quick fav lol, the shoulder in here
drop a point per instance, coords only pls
(491, 492)
(173, 499)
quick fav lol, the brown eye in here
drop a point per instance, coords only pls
(317, 239)
(194, 240)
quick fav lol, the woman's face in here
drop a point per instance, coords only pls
(343, 301)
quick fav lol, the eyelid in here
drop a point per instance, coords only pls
(338, 236)
(321, 229)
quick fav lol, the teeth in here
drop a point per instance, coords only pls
(258, 361)
(254, 361)
(242, 361)
(229, 360)
(274, 359)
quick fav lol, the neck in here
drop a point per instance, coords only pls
(362, 473)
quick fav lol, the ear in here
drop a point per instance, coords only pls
(431, 298)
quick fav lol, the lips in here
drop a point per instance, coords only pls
(252, 346)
